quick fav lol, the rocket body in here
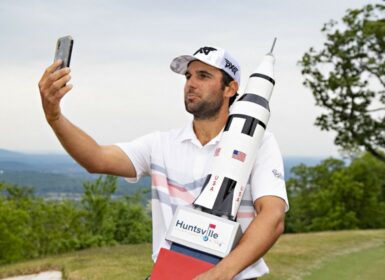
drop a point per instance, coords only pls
(237, 150)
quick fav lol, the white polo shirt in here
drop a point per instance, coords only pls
(178, 165)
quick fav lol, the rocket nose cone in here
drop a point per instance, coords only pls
(270, 57)
(267, 66)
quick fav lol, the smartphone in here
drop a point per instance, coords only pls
(64, 50)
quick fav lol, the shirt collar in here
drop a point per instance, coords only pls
(188, 134)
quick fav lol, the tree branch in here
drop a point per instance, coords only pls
(375, 153)
(379, 77)
(375, 110)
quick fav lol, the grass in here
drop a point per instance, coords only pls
(302, 256)
(311, 256)
(119, 262)
(365, 264)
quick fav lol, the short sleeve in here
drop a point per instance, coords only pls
(139, 152)
(267, 177)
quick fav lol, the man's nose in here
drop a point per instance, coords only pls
(191, 82)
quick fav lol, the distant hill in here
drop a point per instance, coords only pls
(54, 174)
(53, 163)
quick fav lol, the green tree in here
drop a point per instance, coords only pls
(55, 227)
(96, 201)
(13, 231)
(371, 174)
(32, 227)
(309, 193)
(133, 223)
(333, 196)
(14, 222)
(347, 78)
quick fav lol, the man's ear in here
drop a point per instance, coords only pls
(231, 89)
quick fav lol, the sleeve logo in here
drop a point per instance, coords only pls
(277, 174)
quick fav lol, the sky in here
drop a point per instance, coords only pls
(123, 86)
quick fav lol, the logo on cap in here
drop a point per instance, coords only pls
(231, 66)
(205, 50)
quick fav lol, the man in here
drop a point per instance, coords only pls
(178, 160)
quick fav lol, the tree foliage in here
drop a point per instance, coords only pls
(31, 227)
(96, 202)
(333, 196)
(347, 78)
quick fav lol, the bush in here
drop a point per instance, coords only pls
(332, 196)
(31, 227)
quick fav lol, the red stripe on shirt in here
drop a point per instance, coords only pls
(159, 180)
(245, 215)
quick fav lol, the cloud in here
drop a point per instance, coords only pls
(122, 83)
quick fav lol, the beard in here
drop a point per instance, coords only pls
(205, 109)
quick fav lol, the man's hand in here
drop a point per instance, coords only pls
(53, 86)
(258, 238)
(218, 272)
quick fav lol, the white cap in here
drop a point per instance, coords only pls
(213, 56)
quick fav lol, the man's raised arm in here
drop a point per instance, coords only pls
(85, 150)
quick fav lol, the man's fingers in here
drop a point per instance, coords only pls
(64, 90)
(51, 69)
(60, 83)
(53, 66)
(53, 77)
(50, 75)
(53, 86)
(52, 101)
(58, 75)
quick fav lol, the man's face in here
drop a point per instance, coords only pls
(203, 93)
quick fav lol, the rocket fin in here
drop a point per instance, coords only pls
(224, 202)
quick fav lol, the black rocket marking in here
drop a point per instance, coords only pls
(257, 99)
(224, 202)
(249, 126)
(271, 80)
(206, 182)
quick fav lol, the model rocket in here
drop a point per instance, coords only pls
(203, 235)
(236, 152)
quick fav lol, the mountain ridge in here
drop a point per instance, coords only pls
(59, 173)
